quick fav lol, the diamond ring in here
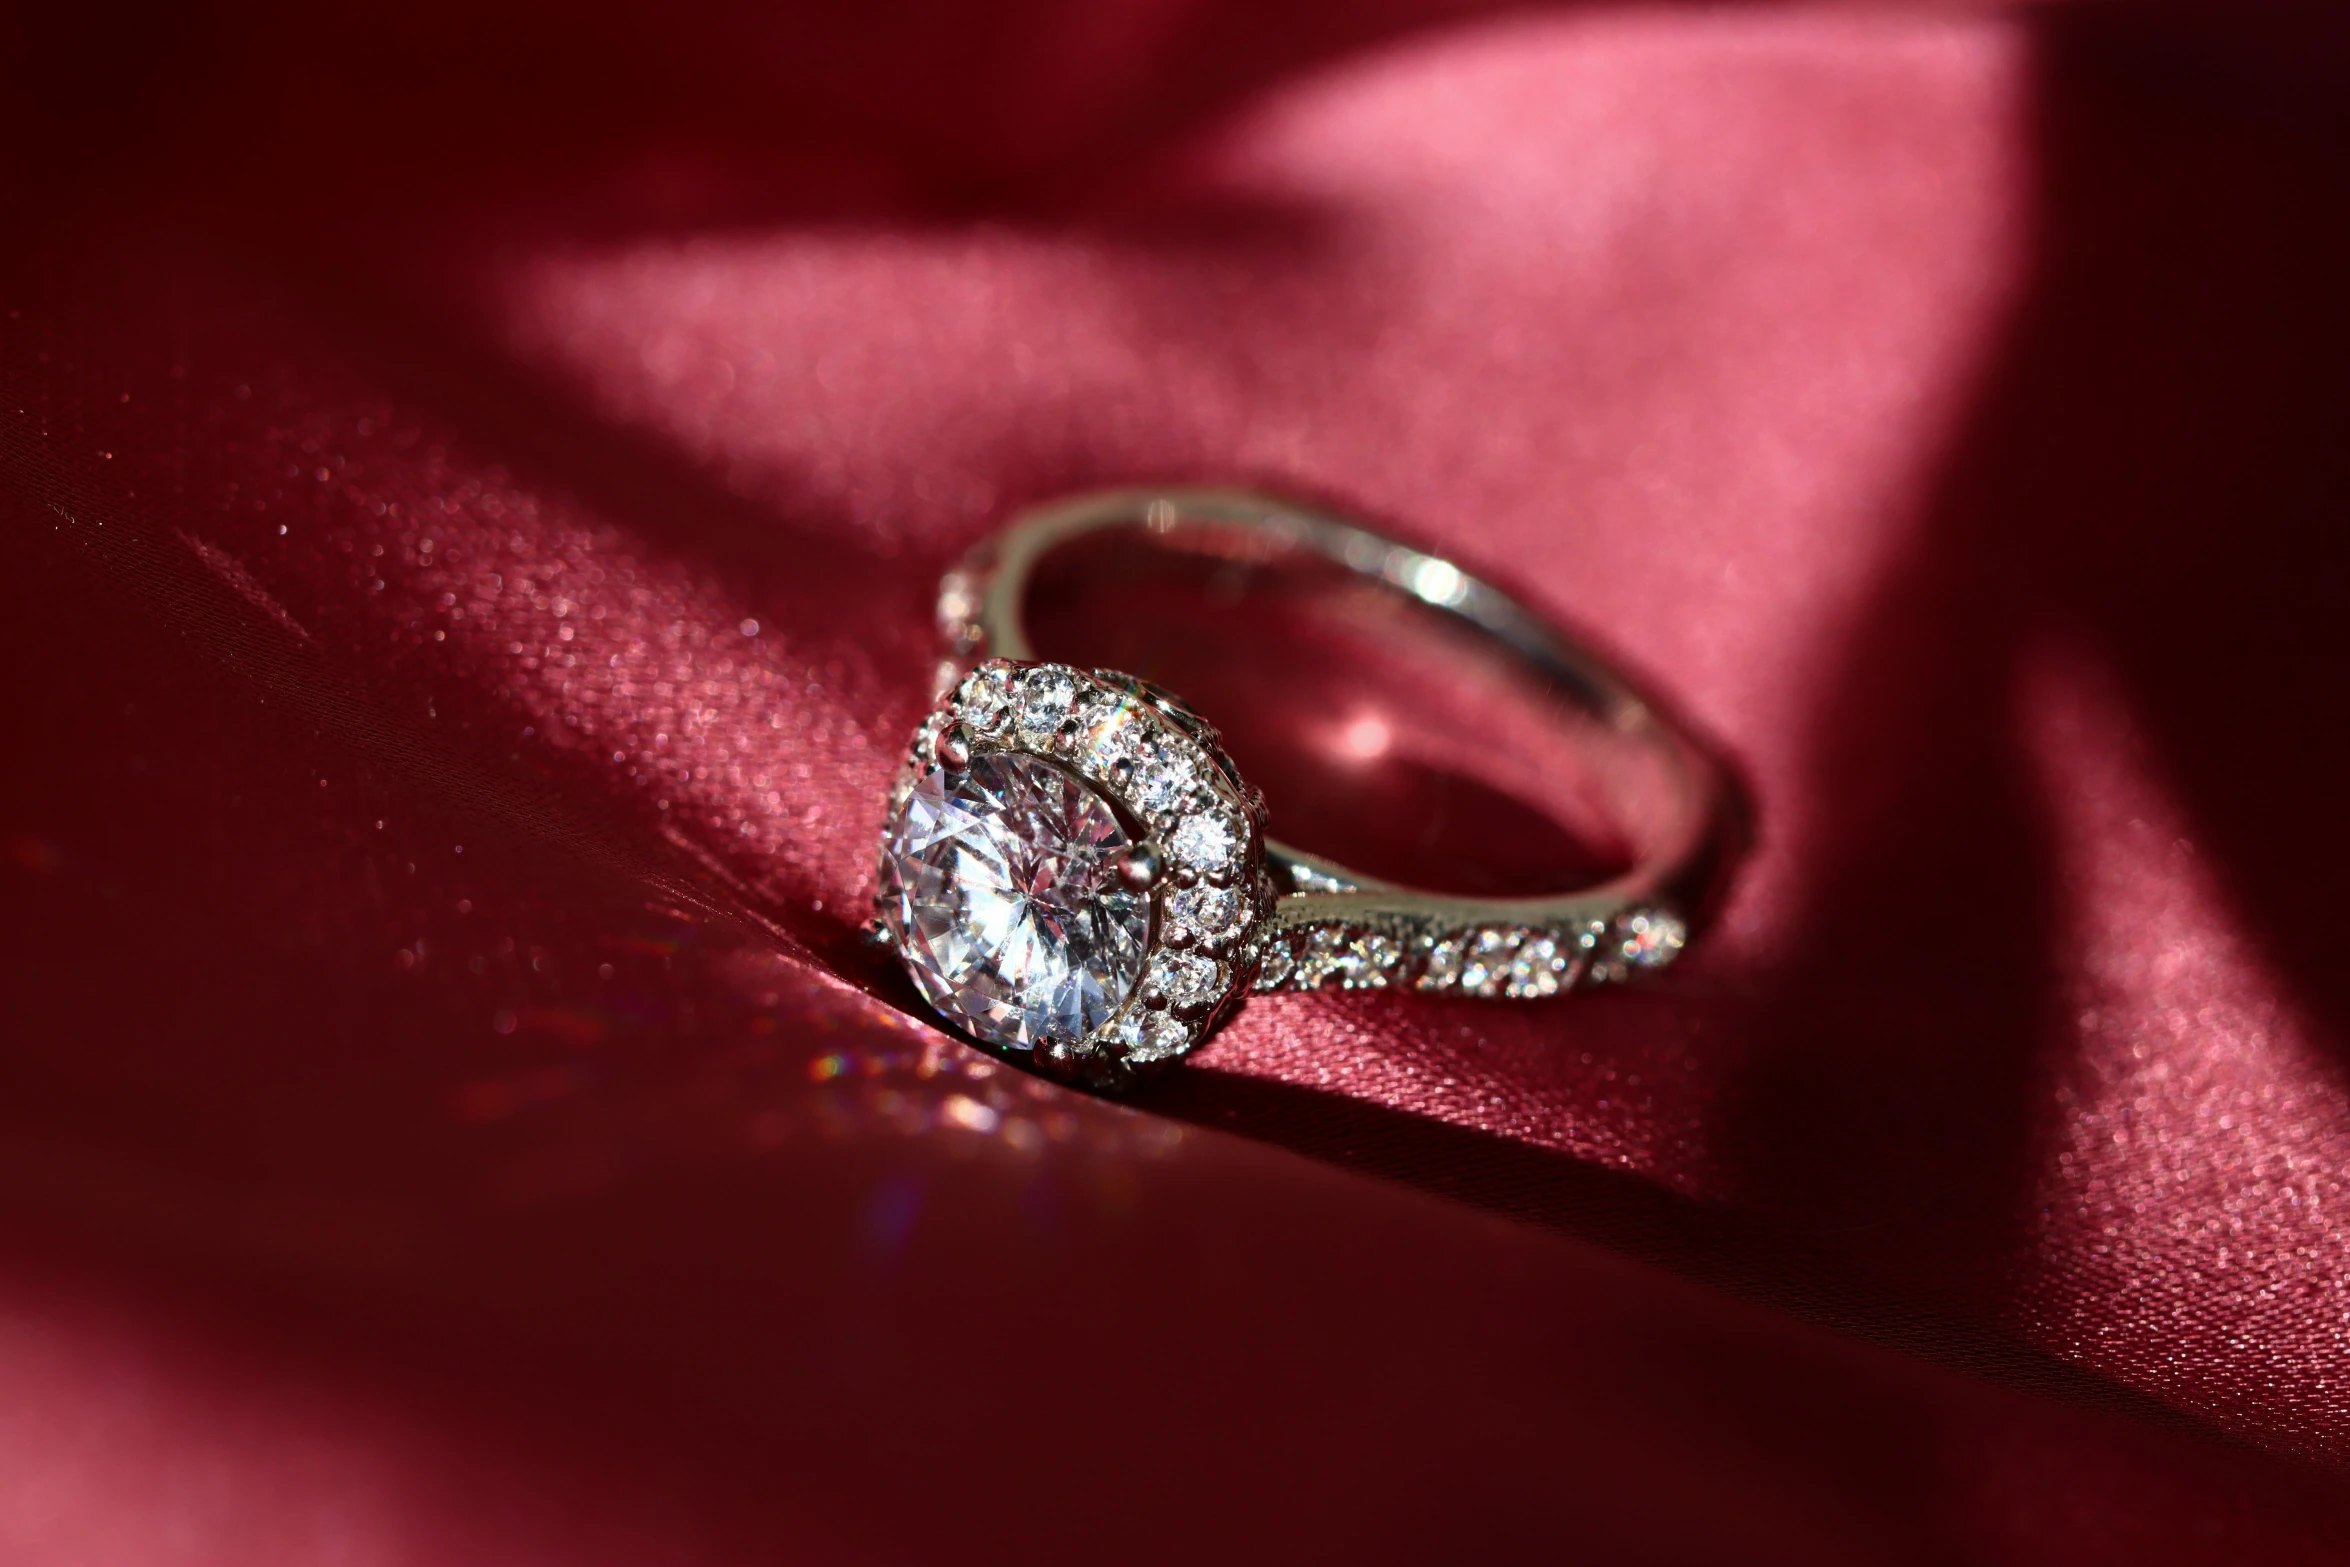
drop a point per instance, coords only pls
(1074, 873)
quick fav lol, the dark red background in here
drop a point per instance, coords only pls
(476, 478)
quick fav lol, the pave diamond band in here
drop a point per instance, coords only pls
(1074, 872)
(1515, 962)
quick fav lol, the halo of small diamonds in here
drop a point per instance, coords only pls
(1157, 763)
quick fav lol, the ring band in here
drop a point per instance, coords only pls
(1074, 871)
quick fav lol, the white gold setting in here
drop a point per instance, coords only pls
(1074, 873)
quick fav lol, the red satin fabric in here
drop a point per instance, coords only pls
(477, 490)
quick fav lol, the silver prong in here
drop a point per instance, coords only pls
(953, 748)
(1141, 867)
(876, 935)
(1176, 936)
(1061, 1059)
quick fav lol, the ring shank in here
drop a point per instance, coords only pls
(1685, 838)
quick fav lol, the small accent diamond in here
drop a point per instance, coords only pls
(1208, 843)
(1045, 698)
(1112, 729)
(1651, 938)
(1204, 911)
(1279, 963)
(1325, 954)
(1185, 980)
(1539, 969)
(958, 609)
(1442, 971)
(1162, 779)
(1370, 962)
(1488, 961)
(1146, 1037)
(986, 698)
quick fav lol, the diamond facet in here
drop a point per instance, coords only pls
(1000, 886)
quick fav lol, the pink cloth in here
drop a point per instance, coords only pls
(479, 488)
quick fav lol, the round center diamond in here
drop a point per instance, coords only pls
(1000, 887)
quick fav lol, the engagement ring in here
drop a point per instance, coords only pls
(1075, 874)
